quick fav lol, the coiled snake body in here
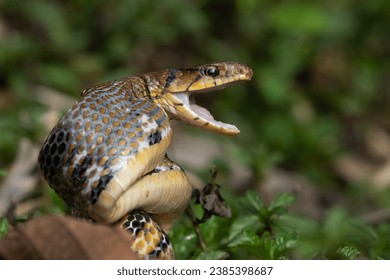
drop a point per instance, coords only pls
(107, 159)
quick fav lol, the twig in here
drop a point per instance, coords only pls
(195, 223)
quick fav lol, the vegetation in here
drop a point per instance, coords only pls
(316, 113)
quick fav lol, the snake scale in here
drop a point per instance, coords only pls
(106, 157)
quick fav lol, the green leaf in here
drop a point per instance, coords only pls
(183, 238)
(184, 244)
(242, 224)
(276, 246)
(302, 225)
(253, 201)
(3, 227)
(281, 202)
(211, 254)
(363, 231)
(336, 225)
(247, 238)
(214, 230)
(348, 252)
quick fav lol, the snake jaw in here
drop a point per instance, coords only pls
(187, 109)
(180, 84)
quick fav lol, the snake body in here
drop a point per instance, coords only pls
(106, 157)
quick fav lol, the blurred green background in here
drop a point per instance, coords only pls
(317, 108)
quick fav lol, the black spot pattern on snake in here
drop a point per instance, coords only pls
(52, 154)
(61, 148)
(154, 138)
(60, 137)
(79, 173)
(95, 192)
(56, 160)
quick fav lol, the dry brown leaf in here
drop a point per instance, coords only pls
(65, 238)
(211, 200)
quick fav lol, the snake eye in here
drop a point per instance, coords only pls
(211, 71)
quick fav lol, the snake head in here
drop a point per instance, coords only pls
(177, 99)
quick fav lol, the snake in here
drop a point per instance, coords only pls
(107, 156)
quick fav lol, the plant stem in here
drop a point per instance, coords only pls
(195, 223)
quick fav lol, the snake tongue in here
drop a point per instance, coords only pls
(199, 116)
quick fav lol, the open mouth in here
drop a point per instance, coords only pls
(189, 111)
(181, 84)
